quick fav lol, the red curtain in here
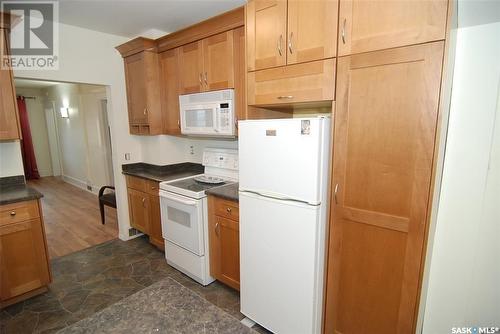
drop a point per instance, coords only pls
(28, 152)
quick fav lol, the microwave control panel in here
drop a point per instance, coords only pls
(225, 117)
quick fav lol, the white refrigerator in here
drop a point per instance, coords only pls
(283, 182)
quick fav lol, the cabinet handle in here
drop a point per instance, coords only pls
(343, 31)
(206, 79)
(236, 122)
(217, 228)
(145, 112)
(179, 123)
(12, 213)
(228, 210)
(285, 97)
(143, 202)
(201, 79)
(290, 45)
(335, 193)
(280, 42)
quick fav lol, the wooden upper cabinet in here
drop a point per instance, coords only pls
(293, 84)
(143, 86)
(239, 74)
(191, 68)
(312, 30)
(207, 64)
(9, 119)
(136, 88)
(376, 25)
(218, 62)
(382, 166)
(266, 33)
(169, 77)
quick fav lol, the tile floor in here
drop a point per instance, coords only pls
(88, 281)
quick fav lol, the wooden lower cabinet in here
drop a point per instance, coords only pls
(224, 238)
(24, 261)
(382, 171)
(144, 208)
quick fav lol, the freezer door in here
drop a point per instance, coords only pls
(286, 158)
(281, 264)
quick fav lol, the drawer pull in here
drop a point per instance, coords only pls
(217, 228)
(284, 97)
(12, 213)
(228, 210)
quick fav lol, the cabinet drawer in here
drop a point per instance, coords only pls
(152, 187)
(137, 183)
(18, 212)
(227, 209)
(300, 83)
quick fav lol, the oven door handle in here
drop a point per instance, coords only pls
(176, 198)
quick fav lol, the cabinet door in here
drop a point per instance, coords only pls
(191, 68)
(229, 240)
(218, 62)
(139, 207)
(9, 128)
(266, 33)
(135, 77)
(23, 258)
(169, 64)
(239, 74)
(155, 235)
(375, 25)
(299, 83)
(384, 144)
(312, 30)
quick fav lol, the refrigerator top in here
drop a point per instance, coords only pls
(285, 158)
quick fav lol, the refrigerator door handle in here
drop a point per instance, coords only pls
(278, 196)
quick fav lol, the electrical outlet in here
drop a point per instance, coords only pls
(127, 156)
(191, 150)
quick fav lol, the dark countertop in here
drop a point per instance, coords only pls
(13, 189)
(227, 191)
(162, 173)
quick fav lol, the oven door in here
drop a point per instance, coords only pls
(182, 221)
(199, 119)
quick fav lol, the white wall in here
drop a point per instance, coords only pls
(11, 160)
(464, 259)
(38, 127)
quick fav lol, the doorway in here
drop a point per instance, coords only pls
(72, 147)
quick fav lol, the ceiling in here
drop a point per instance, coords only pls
(26, 83)
(133, 18)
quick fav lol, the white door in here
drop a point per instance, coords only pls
(181, 219)
(284, 158)
(281, 263)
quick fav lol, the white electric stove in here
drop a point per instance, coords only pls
(184, 215)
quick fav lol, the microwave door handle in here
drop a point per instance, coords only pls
(216, 121)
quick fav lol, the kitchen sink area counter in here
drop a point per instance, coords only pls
(162, 173)
(227, 191)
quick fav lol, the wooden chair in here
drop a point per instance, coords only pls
(108, 199)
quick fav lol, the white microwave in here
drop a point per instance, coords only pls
(208, 114)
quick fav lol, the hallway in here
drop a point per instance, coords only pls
(72, 218)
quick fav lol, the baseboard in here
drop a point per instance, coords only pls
(77, 183)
